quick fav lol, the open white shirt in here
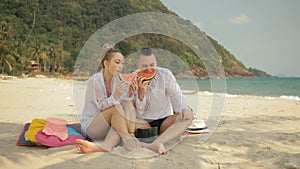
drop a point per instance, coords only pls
(163, 97)
(96, 99)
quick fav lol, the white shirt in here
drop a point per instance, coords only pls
(163, 97)
(96, 99)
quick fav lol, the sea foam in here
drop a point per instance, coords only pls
(290, 97)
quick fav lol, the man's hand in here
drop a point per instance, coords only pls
(142, 124)
(186, 114)
(142, 87)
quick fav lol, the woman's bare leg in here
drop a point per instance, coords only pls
(120, 123)
(85, 146)
(111, 140)
(130, 116)
(97, 131)
(99, 127)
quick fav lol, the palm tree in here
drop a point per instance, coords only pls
(6, 60)
(36, 54)
(34, 5)
(21, 58)
(6, 31)
(56, 56)
(44, 58)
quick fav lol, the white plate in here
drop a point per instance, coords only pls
(197, 131)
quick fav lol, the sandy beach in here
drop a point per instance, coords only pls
(254, 132)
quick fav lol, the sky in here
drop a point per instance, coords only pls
(263, 34)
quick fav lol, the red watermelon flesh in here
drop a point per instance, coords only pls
(146, 74)
(128, 77)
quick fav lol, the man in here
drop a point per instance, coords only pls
(160, 102)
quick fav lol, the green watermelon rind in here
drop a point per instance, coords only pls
(146, 133)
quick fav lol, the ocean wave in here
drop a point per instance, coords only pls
(207, 93)
(290, 97)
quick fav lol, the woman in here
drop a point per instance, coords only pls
(108, 112)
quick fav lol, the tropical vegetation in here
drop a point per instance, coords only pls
(50, 35)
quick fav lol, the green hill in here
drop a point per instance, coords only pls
(52, 34)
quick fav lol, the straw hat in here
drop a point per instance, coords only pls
(197, 125)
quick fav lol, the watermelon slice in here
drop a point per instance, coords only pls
(147, 75)
(128, 77)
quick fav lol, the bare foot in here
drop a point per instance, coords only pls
(88, 147)
(157, 147)
(131, 143)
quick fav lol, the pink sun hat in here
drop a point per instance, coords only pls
(57, 127)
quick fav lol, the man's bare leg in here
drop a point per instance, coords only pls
(169, 133)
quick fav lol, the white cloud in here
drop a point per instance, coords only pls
(240, 20)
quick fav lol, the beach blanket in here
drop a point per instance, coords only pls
(144, 152)
(22, 141)
(118, 150)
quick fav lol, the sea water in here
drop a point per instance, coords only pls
(211, 108)
(285, 88)
(288, 88)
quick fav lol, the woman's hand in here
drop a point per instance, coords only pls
(133, 87)
(120, 88)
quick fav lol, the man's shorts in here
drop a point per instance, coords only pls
(156, 123)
